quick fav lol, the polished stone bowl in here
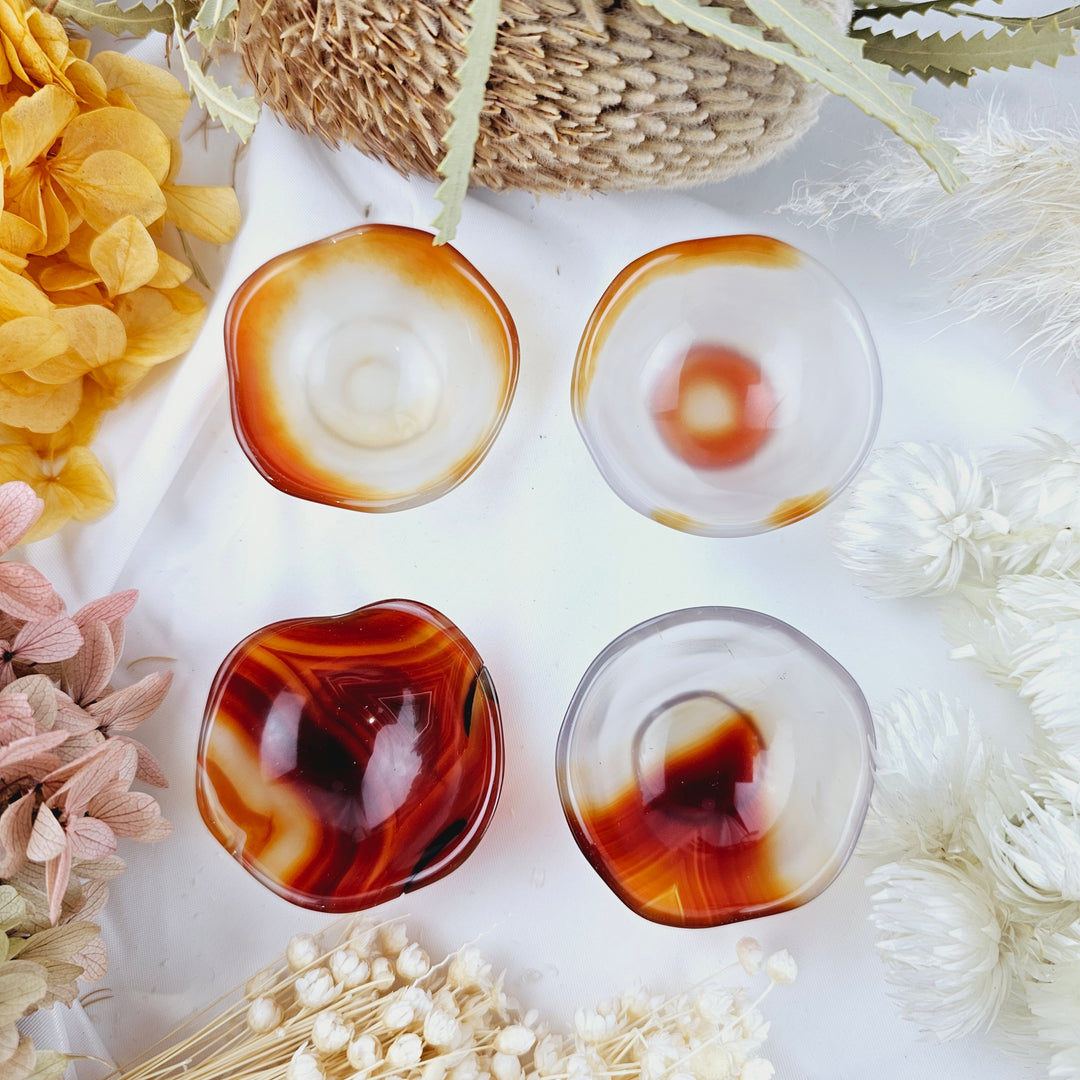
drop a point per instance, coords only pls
(715, 765)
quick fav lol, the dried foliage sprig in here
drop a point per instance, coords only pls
(1006, 245)
(976, 896)
(372, 1006)
(67, 763)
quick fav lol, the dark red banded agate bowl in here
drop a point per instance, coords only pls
(346, 760)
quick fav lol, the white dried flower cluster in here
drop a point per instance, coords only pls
(976, 897)
(374, 1007)
(1005, 246)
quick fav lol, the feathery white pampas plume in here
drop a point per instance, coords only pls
(917, 521)
(1007, 243)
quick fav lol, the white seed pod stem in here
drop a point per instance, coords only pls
(364, 1052)
(302, 951)
(316, 989)
(412, 962)
(263, 1015)
(515, 1040)
(405, 1051)
(304, 1065)
(330, 1033)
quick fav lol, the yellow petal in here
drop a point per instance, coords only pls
(34, 123)
(170, 272)
(95, 332)
(11, 261)
(79, 431)
(20, 296)
(78, 246)
(109, 185)
(160, 323)
(210, 213)
(47, 411)
(62, 369)
(88, 85)
(29, 341)
(118, 379)
(79, 491)
(80, 47)
(154, 92)
(50, 35)
(97, 337)
(125, 256)
(56, 222)
(19, 462)
(62, 276)
(26, 58)
(65, 368)
(17, 235)
(118, 129)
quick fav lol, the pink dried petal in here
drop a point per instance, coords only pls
(90, 838)
(45, 642)
(148, 770)
(16, 825)
(94, 960)
(47, 839)
(16, 716)
(57, 876)
(106, 765)
(130, 813)
(125, 710)
(102, 870)
(118, 605)
(25, 592)
(72, 717)
(22, 753)
(41, 696)
(19, 509)
(87, 673)
(95, 895)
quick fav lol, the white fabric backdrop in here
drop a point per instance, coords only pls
(541, 565)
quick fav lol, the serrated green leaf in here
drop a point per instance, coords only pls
(138, 20)
(236, 114)
(460, 138)
(1065, 19)
(921, 7)
(212, 20)
(942, 58)
(822, 54)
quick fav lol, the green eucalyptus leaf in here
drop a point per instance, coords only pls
(236, 114)
(135, 21)
(921, 7)
(820, 53)
(945, 58)
(460, 138)
(212, 20)
(1065, 19)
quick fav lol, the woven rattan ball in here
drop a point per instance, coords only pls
(583, 94)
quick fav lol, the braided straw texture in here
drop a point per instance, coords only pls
(583, 94)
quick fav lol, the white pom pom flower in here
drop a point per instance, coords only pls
(302, 951)
(316, 988)
(1048, 670)
(304, 1065)
(263, 1015)
(1055, 1007)
(919, 520)
(932, 763)
(781, 968)
(748, 950)
(1038, 485)
(330, 1033)
(944, 944)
